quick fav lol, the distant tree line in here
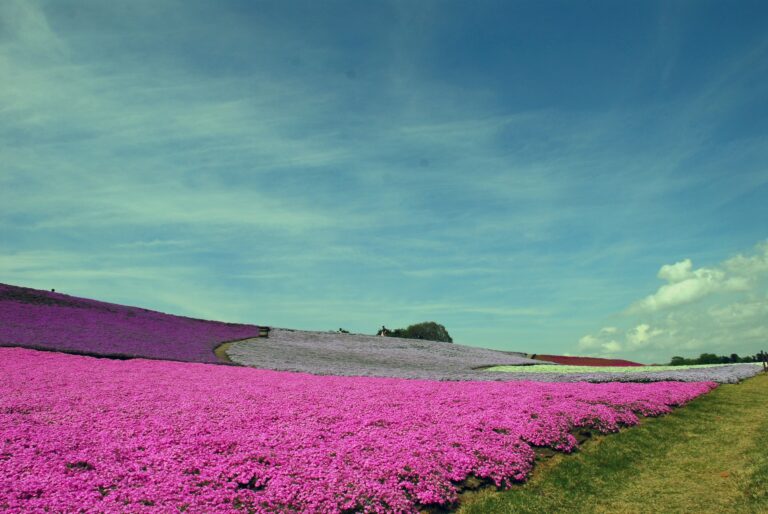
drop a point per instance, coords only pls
(427, 330)
(711, 358)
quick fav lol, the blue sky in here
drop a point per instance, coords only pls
(549, 177)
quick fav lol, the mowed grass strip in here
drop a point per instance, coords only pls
(221, 352)
(709, 456)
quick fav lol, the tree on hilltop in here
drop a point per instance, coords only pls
(427, 330)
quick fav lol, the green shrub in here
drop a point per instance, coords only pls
(427, 330)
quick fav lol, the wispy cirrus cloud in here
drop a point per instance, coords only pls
(376, 160)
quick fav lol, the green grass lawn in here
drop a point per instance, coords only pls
(221, 352)
(710, 456)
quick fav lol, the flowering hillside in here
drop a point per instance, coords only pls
(329, 353)
(325, 353)
(85, 435)
(47, 320)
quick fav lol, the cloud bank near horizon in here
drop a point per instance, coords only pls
(722, 309)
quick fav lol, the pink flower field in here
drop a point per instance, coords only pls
(80, 434)
(55, 321)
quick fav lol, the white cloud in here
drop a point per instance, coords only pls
(734, 319)
(641, 335)
(602, 344)
(687, 285)
(612, 347)
(740, 312)
(676, 272)
(751, 265)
